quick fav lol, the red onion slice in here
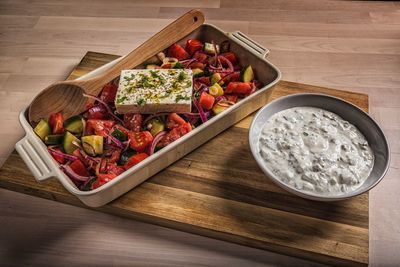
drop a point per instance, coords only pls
(228, 76)
(203, 116)
(219, 98)
(61, 154)
(230, 66)
(73, 175)
(193, 115)
(253, 88)
(187, 62)
(115, 140)
(156, 140)
(154, 116)
(106, 106)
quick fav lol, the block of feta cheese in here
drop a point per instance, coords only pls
(151, 91)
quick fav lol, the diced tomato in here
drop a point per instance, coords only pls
(109, 92)
(166, 66)
(205, 80)
(121, 128)
(197, 65)
(206, 101)
(103, 179)
(140, 140)
(175, 133)
(135, 159)
(77, 153)
(56, 122)
(201, 57)
(232, 98)
(79, 168)
(97, 112)
(178, 52)
(193, 45)
(237, 68)
(234, 77)
(230, 56)
(59, 159)
(81, 155)
(114, 169)
(133, 121)
(238, 88)
(98, 127)
(257, 83)
(115, 155)
(174, 120)
(102, 168)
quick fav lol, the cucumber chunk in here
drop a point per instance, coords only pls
(93, 144)
(42, 129)
(53, 139)
(119, 135)
(74, 124)
(197, 72)
(155, 126)
(216, 90)
(68, 142)
(216, 77)
(247, 74)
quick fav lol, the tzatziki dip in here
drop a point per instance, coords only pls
(314, 150)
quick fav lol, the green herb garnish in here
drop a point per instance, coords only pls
(141, 102)
(121, 99)
(180, 97)
(178, 65)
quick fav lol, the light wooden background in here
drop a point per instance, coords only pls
(339, 44)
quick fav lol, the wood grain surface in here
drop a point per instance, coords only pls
(348, 45)
(219, 191)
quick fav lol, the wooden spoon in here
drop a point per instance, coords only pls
(66, 96)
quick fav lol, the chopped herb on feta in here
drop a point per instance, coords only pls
(151, 90)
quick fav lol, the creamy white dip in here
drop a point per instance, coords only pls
(315, 150)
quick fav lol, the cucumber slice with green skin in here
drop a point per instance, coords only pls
(42, 129)
(93, 144)
(215, 78)
(197, 72)
(74, 124)
(53, 139)
(155, 126)
(68, 144)
(216, 90)
(125, 156)
(247, 74)
(119, 135)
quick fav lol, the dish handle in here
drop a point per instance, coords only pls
(33, 155)
(251, 44)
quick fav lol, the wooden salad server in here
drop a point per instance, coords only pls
(67, 96)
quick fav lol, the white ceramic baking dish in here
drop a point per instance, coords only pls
(43, 166)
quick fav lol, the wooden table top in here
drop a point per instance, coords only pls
(340, 44)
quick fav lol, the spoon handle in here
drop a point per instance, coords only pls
(163, 39)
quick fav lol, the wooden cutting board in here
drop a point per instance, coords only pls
(219, 191)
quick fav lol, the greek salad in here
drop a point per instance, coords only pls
(99, 144)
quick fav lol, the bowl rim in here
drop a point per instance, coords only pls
(302, 193)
